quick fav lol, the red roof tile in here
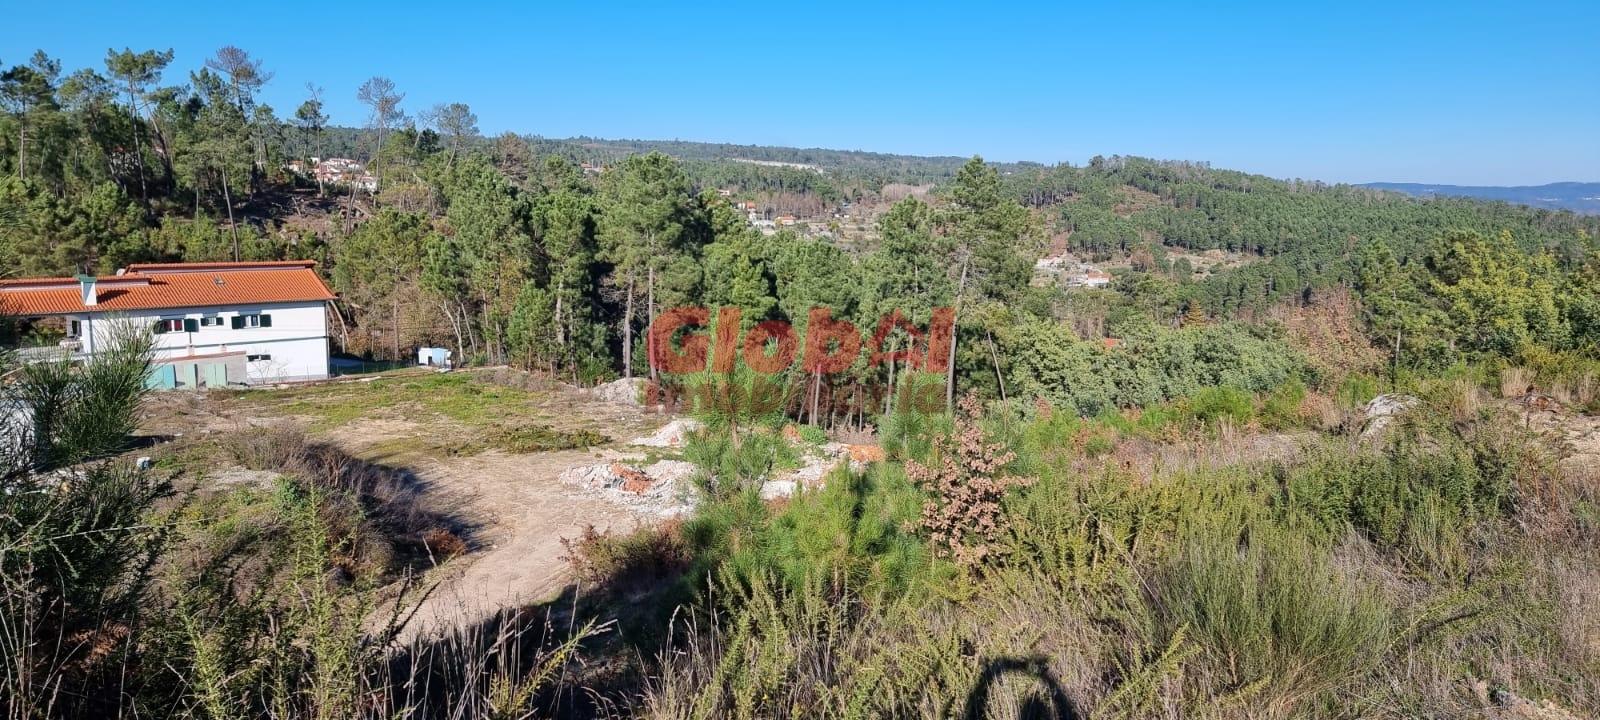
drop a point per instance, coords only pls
(156, 287)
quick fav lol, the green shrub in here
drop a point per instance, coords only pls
(853, 532)
(813, 434)
(1216, 404)
(1280, 409)
(1151, 366)
(542, 438)
(1356, 390)
(908, 430)
(728, 464)
(1442, 482)
(1277, 625)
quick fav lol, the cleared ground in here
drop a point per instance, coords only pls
(487, 446)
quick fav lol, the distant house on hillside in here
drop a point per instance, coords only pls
(216, 324)
(1087, 276)
(1091, 279)
(337, 171)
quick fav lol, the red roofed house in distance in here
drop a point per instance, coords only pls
(216, 324)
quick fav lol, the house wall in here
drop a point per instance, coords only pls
(193, 372)
(295, 346)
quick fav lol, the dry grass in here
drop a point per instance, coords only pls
(1582, 391)
(442, 544)
(1516, 382)
(391, 499)
(1322, 412)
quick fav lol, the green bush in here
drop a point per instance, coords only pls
(813, 434)
(908, 430)
(728, 464)
(1411, 488)
(853, 532)
(1356, 390)
(1280, 409)
(1276, 623)
(1216, 404)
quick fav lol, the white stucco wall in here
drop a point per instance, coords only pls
(297, 342)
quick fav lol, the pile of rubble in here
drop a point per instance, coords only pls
(671, 435)
(626, 391)
(662, 487)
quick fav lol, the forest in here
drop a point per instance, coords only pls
(1036, 515)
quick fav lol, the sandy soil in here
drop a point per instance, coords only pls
(523, 512)
(518, 508)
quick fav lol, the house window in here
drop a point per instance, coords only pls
(242, 322)
(257, 358)
(211, 321)
(169, 325)
(74, 328)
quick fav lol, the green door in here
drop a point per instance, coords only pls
(216, 375)
(161, 377)
(188, 377)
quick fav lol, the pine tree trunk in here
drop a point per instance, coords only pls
(888, 397)
(138, 148)
(561, 330)
(995, 358)
(955, 320)
(466, 322)
(227, 199)
(455, 326)
(627, 332)
(650, 313)
(350, 211)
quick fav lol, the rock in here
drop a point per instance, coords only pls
(814, 470)
(673, 434)
(623, 391)
(1382, 411)
(774, 489)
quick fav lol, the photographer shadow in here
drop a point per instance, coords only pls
(1053, 704)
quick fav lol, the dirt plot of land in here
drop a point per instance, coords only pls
(489, 445)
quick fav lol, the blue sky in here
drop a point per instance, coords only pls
(1466, 93)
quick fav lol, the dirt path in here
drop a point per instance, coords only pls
(523, 512)
(520, 509)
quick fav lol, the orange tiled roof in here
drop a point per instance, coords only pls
(148, 268)
(173, 285)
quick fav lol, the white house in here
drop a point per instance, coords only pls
(216, 324)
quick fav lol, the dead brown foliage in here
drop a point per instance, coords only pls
(1327, 329)
(967, 478)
